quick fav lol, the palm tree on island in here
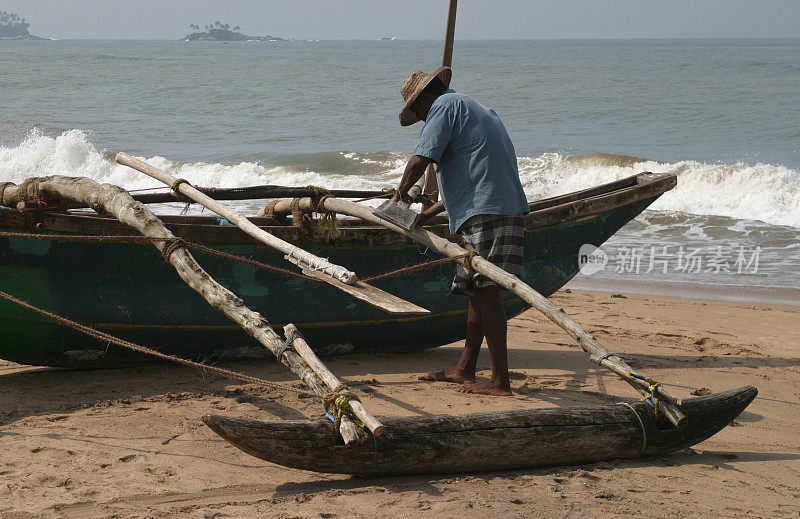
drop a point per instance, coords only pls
(14, 27)
(219, 31)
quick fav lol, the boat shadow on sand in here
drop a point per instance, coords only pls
(44, 391)
(429, 484)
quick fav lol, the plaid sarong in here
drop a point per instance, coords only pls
(497, 238)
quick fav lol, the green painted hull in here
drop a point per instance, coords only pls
(129, 291)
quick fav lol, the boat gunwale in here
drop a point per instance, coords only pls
(546, 212)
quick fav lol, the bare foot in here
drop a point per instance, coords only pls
(486, 388)
(451, 375)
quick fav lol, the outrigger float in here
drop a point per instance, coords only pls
(77, 273)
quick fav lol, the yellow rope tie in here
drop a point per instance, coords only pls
(337, 403)
(652, 398)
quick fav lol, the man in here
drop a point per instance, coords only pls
(476, 167)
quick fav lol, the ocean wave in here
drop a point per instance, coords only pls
(73, 154)
(762, 192)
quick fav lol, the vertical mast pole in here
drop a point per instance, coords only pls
(431, 186)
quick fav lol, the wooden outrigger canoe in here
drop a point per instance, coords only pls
(112, 287)
(486, 441)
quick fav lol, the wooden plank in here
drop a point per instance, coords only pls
(304, 350)
(371, 295)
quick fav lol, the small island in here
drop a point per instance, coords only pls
(223, 32)
(12, 27)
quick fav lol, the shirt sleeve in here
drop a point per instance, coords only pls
(436, 133)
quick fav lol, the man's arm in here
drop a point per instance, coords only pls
(414, 170)
(430, 212)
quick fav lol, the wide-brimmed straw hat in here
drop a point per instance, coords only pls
(412, 87)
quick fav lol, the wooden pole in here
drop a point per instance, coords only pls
(669, 404)
(304, 350)
(312, 265)
(431, 185)
(238, 219)
(116, 201)
(450, 34)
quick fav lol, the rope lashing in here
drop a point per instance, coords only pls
(287, 344)
(29, 193)
(269, 213)
(652, 398)
(329, 220)
(170, 246)
(321, 192)
(301, 220)
(177, 183)
(29, 189)
(607, 356)
(469, 256)
(337, 403)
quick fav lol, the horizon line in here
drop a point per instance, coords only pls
(678, 38)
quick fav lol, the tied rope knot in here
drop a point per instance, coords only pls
(337, 403)
(329, 221)
(171, 245)
(288, 344)
(29, 191)
(652, 398)
(177, 183)
(469, 256)
(269, 213)
(320, 193)
(301, 220)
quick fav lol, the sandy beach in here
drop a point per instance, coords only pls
(129, 442)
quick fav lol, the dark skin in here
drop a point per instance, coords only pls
(486, 317)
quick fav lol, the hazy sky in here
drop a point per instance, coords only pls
(415, 19)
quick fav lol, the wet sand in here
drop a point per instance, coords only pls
(129, 443)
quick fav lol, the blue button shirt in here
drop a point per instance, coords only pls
(476, 162)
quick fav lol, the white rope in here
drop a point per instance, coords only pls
(644, 431)
(313, 262)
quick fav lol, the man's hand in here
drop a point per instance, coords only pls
(414, 170)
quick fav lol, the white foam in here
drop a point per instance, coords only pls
(72, 154)
(761, 192)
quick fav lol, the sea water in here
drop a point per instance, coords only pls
(724, 115)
